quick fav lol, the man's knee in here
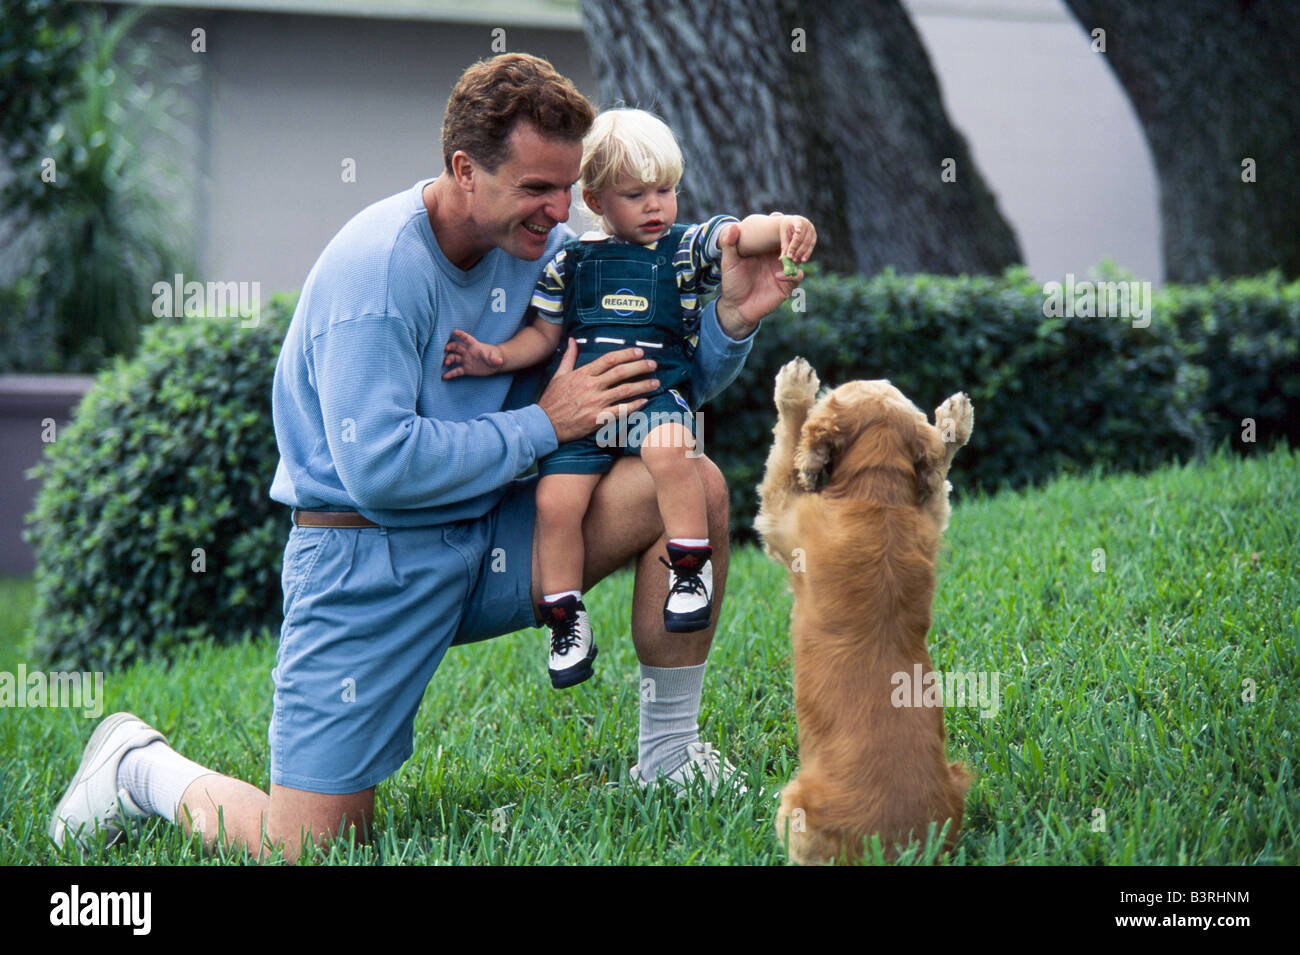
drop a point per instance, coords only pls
(294, 815)
(627, 490)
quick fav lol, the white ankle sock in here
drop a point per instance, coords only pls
(690, 541)
(551, 598)
(156, 777)
(670, 710)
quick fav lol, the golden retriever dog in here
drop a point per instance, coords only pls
(854, 500)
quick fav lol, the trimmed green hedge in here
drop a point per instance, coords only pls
(175, 450)
(1051, 394)
(170, 452)
(1246, 334)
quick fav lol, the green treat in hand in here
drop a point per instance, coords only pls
(788, 265)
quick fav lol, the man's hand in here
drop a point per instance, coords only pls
(575, 400)
(469, 356)
(753, 285)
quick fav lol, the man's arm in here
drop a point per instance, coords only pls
(718, 357)
(386, 455)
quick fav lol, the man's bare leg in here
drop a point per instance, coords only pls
(622, 523)
(251, 819)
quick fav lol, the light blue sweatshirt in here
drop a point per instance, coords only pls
(363, 418)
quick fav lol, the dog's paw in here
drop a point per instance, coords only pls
(809, 466)
(955, 419)
(796, 387)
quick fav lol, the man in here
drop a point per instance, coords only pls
(411, 531)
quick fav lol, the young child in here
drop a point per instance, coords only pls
(637, 284)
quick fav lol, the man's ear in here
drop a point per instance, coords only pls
(462, 170)
(819, 441)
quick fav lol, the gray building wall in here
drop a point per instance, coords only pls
(34, 409)
(292, 97)
(285, 98)
(1051, 130)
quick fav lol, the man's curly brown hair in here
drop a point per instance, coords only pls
(494, 94)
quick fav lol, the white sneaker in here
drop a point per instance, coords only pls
(94, 803)
(572, 645)
(702, 761)
(689, 606)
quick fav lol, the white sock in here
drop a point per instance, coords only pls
(156, 777)
(690, 541)
(551, 598)
(670, 710)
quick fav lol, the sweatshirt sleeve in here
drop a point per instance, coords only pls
(718, 358)
(386, 455)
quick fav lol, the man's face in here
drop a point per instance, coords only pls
(517, 206)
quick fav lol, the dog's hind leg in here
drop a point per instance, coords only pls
(797, 830)
(961, 782)
(961, 778)
(796, 392)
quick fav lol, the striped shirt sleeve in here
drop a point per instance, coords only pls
(548, 296)
(698, 262)
(699, 257)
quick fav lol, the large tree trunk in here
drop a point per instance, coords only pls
(850, 131)
(1214, 83)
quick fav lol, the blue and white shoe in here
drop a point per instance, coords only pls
(689, 606)
(572, 645)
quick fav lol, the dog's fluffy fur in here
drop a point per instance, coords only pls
(854, 501)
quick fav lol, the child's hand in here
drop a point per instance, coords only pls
(469, 356)
(798, 239)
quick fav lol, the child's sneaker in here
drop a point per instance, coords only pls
(572, 645)
(690, 588)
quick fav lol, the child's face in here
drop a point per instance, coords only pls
(636, 211)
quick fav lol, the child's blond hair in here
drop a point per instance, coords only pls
(629, 142)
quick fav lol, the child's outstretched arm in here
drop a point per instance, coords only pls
(793, 236)
(468, 356)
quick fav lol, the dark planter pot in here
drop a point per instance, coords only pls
(33, 410)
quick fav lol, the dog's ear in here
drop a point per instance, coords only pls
(928, 457)
(819, 442)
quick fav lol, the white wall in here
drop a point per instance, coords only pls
(293, 96)
(288, 97)
(1051, 130)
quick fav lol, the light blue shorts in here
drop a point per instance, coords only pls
(368, 615)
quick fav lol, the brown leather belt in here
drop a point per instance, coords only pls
(331, 519)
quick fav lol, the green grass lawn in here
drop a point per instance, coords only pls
(1120, 702)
